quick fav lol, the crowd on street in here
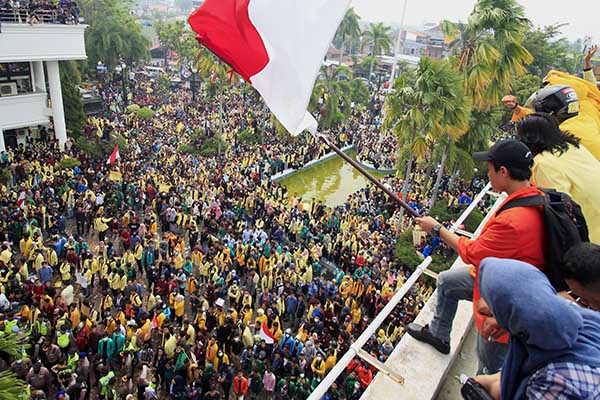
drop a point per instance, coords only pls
(166, 274)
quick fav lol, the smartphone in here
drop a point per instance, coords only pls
(472, 390)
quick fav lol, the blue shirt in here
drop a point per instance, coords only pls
(45, 274)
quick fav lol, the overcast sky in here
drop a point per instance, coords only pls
(583, 16)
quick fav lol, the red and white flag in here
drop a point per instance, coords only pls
(21, 199)
(276, 45)
(114, 156)
(154, 323)
(266, 334)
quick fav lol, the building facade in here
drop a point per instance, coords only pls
(30, 90)
(430, 42)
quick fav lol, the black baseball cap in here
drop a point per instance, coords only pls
(508, 153)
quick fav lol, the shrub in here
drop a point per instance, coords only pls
(133, 108)
(249, 136)
(68, 163)
(145, 113)
(405, 251)
(441, 213)
(189, 149)
(5, 176)
(208, 149)
(97, 148)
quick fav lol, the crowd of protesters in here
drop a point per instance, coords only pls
(169, 275)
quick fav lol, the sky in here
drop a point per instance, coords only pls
(581, 15)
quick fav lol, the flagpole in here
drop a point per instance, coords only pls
(367, 175)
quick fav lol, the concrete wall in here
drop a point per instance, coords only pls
(24, 110)
(41, 42)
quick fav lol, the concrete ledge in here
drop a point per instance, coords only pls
(465, 363)
(370, 167)
(290, 171)
(422, 367)
(425, 369)
(42, 42)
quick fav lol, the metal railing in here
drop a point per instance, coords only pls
(355, 349)
(24, 15)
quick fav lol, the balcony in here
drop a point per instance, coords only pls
(24, 110)
(41, 42)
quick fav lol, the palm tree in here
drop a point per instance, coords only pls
(489, 50)
(377, 39)
(335, 91)
(11, 387)
(210, 66)
(213, 70)
(113, 34)
(482, 127)
(435, 106)
(349, 30)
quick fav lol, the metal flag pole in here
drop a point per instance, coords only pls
(367, 175)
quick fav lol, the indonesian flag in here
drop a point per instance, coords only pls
(21, 199)
(276, 45)
(266, 334)
(154, 324)
(114, 156)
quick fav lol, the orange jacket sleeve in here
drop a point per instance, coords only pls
(497, 241)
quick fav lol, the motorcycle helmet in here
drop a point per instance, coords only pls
(560, 101)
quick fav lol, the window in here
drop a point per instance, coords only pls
(17, 73)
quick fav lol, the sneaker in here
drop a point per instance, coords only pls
(423, 334)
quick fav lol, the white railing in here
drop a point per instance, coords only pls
(463, 217)
(356, 348)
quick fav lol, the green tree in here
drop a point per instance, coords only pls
(549, 51)
(483, 127)
(334, 90)
(70, 78)
(348, 31)
(210, 67)
(113, 33)
(11, 387)
(377, 39)
(434, 107)
(489, 49)
(176, 36)
(359, 92)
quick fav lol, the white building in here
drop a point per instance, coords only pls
(30, 91)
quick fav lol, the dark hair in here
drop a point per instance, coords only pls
(582, 263)
(541, 132)
(516, 173)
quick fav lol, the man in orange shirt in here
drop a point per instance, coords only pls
(240, 386)
(517, 233)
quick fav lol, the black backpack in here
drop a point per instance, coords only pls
(565, 227)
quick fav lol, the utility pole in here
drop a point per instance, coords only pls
(398, 50)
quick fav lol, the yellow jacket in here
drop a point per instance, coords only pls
(319, 367)
(577, 173)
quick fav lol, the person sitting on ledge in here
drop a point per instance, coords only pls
(554, 349)
(509, 165)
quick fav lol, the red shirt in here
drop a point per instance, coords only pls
(516, 234)
(240, 385)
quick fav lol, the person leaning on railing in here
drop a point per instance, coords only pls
(509, 165)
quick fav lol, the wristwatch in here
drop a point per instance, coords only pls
(435, 231)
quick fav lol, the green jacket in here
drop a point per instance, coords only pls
(106, 345)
